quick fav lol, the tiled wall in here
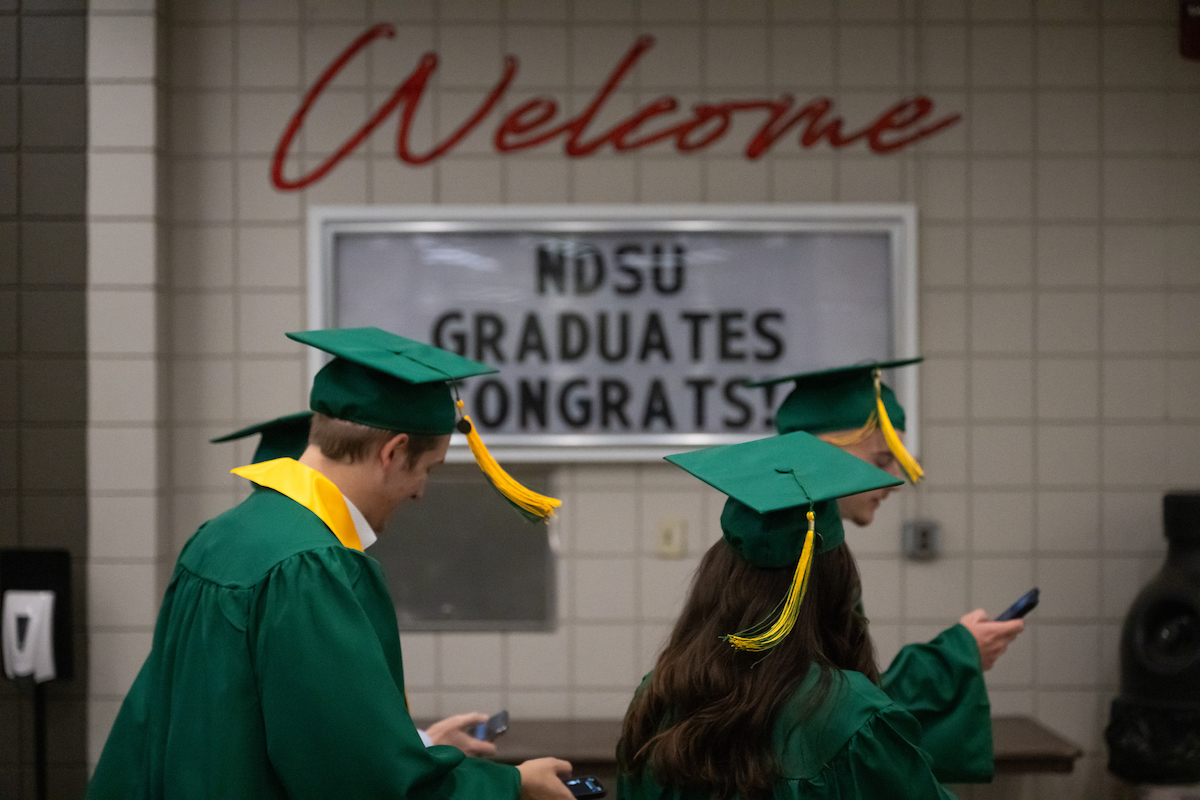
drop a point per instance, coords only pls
(43, 343)
(1060, 299)
(127, 367)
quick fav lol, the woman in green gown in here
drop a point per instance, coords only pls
(790, 707)
(939, 682)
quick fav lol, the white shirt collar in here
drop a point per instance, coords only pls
(366, 534)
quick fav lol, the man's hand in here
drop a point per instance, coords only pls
(453, 731)
(992, 638)
(542, 779)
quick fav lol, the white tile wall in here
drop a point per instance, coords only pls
(1068, 388)
(122, 252)
(936, 591)
(115, 660)
(126, 487)
(1063, 352)
(1068, 521)
(1002, 522)
(1001, 322)
(121, 527)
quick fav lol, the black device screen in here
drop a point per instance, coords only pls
(585, 786)
(1023, 606)
(496, 725)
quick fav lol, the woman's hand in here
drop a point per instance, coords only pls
(542, 779)
(453, 731)
(992, 638)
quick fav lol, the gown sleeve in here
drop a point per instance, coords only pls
(941, 684)
(880, 762)
(336, 719)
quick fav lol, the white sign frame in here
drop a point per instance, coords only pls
(897, 220)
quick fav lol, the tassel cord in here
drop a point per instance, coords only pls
(907, 462)
(755, 639)
(526, 500)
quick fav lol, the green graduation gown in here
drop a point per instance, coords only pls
(276, 672)
(857, 744)
(941, 684)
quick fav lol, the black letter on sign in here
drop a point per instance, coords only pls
(699, 387)
(731, 387)
(602, 337)
(773, 337)
(585, 283)
(483, 393)
(551, 265)
(532, 403)
(659, 284)
(696, 320)
(531, 339)
(458, 339)
(584, 404)
(769, 403)
(728, 333)
(654, 338)
(489, 330)
(658, 407)
(614, 394)
(624, 253)
(572, 336)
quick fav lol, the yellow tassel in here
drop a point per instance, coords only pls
(782, 626)
(909, 464)
(532, 504)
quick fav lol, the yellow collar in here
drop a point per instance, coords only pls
(310, 489)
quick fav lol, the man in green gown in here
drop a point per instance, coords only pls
(287, 437)
(939, 682)
(275, 669)
(855, 741)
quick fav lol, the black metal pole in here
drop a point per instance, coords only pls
(39, 739)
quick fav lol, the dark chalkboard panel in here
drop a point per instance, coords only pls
(462, 558)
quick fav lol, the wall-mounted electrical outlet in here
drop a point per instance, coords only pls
(921, 539)
(672, 537)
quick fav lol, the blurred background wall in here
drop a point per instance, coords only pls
(43, 348)
(1059, 300)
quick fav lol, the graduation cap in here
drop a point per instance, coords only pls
(282, 437)
(852, 398)
(382, 380)
(782, 500)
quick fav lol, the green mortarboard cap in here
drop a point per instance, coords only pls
(836, 399)
(385, 381)
(283, 437)
(771, 482)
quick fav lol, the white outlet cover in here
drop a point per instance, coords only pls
(672, 537)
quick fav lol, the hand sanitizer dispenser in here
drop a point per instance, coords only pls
(35, 615)
(27, 635)
(35, 632)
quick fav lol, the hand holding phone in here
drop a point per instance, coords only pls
(993, 636)
(585, 786)
(496, 725)
(1025, 603)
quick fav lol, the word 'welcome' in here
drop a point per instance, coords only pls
(535, 122)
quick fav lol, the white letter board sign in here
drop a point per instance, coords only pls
(625, 332)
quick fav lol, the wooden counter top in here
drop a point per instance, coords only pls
(1022, 745)
(578, 740)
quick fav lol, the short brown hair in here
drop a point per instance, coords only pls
(341, 440)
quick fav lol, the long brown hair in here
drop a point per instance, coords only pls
(705, 719)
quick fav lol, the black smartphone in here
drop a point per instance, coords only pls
(585, 786)
(496, 725)
(1026, 603)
